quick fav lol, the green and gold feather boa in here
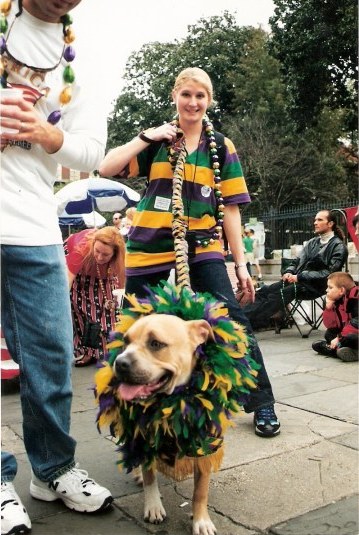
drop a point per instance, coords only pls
(192, 420)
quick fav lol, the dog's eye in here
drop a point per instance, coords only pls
(156, 345)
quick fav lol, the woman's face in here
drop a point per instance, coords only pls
(191, 101)
(102, 252)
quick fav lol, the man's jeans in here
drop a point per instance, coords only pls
(37, 326)
(212, 277)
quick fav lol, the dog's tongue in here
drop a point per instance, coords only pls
(130, 392)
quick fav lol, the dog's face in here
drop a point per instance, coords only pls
(159, 355)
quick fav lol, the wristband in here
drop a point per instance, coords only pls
(241, 264)
(144, 138)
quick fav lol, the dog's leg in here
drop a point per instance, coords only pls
(154, 511)
(202, 524)
(137, 476)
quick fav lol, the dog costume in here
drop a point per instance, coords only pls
(192, 420)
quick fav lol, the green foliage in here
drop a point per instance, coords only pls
(282, 167)
(259, 89)
(316, 43)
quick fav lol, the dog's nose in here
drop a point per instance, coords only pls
(123, 365)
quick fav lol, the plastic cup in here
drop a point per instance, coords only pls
(119, 295)
(10, 93)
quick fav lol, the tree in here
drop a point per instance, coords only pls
(316, 44)
(283, 168)
(259, 89)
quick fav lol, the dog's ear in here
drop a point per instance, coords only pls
(199, 331)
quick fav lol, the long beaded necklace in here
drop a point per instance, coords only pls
(173, 152)
(68, 53)
(109, 304)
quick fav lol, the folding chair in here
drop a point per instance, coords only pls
(312, 318)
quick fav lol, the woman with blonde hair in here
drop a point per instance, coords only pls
(95, 263)
(213, 189)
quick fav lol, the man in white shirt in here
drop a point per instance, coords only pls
(54, 125)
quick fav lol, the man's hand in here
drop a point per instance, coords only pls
(21, 116)
(289, 277)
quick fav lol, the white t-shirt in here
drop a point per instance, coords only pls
(28, 209)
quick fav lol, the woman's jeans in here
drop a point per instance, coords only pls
(37, 326)
(212, 277)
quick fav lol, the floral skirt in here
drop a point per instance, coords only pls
(87, 304)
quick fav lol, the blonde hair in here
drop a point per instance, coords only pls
(195, 74)
(342, 280)
(111, 237)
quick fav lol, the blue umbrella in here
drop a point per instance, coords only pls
(94, 219)
(89, 194)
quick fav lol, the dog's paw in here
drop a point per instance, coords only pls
(155, 514)
(204, 527)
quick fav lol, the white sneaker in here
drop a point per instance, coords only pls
(14, 518)
(75, 489)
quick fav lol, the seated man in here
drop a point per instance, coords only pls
(306, 276)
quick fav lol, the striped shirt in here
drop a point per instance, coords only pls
(150, 246)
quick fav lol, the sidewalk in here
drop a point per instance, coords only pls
(303, 482)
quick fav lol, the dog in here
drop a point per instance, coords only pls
(159, 356)
(178, 369)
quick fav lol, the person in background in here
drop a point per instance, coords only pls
(96, 266)
(256, 253)
(248, 250)
(127, 222)
(54, 125)
(211, 192)
(117, 221)
(306, 276)
(340, 317)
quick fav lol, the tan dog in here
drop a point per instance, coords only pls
(159, 356)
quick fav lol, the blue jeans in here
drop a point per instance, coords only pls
(37, 326)
(212, 276)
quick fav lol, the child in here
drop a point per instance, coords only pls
(340, 317)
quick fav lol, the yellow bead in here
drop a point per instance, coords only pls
(69, 36)
(5, 7)
(66, 95)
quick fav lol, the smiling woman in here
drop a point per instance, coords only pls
(195, 191)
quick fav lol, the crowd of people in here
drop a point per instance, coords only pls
(58, 304)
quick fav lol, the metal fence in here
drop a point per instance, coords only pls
(293, 225)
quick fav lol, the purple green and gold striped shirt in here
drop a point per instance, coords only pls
(150, 245)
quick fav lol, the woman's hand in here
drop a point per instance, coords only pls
(167, 132)
(245, 290)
